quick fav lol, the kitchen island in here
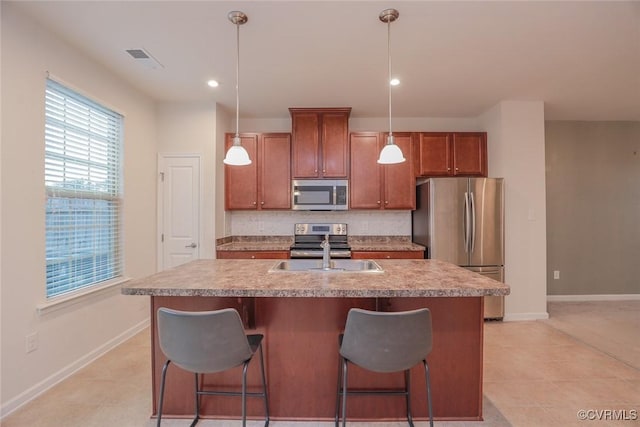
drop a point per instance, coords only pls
(301, 315)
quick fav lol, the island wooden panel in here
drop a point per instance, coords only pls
(301, 355)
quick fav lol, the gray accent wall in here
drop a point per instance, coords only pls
(593, 207)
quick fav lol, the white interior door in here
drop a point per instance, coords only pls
(179, 208)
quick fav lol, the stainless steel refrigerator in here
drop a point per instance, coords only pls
(461, 221)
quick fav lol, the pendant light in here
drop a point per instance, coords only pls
(390, 153)
(237, 155)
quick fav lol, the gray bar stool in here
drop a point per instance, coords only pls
(207, 342)
(384, 342)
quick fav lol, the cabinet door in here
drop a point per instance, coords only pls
(335, 145)
(305, 144)
(275, 171)
(366, 173)
(470, 154)
(241, 182)
(434, 154)
(399, 179)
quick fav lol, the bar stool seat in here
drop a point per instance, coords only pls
(207, 342)
(384, 342)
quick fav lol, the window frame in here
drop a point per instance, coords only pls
(83, 171)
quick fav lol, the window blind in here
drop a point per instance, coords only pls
(84, 192)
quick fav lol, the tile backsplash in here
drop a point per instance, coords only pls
(281, 223)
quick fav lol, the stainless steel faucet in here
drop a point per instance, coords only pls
(326, 253)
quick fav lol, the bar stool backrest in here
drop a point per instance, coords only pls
(203, 341)
(387, 341)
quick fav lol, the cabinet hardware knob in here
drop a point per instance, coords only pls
(448, 169)
(386, 202)
(378, 201)
(253, 257)
(323, 170)
(262, 203)
(254, 203)
(457, 169)
(388, 256)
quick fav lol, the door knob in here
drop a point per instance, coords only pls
(192, 246)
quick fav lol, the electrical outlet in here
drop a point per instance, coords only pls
(556, 274)
(31, 342)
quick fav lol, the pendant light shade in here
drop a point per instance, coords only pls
(390, 153)
(237, 155)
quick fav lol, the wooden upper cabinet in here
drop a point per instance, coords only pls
(266, 182)
(470, 154)
(375, 186)
(399, 179)
(451, 154)
(434, 157)
(320, 142)
(305, 153)
(366, 173)
(275, 171)
(241, 182)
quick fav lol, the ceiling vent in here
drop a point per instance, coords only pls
(145, 58)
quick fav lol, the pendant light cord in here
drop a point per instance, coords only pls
(237, 79)
(389, 79)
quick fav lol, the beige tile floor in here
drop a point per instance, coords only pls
(538, 373)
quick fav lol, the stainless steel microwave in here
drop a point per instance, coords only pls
(320, 194)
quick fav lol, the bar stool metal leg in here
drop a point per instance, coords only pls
(264, 388)
(338, 391)
(161, 396)
(197, 402)
(407, 395)
(344, 392)
(428, 379)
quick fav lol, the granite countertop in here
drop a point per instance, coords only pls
(251, 278)
(254, 243)
(383, 243)
(283, 243)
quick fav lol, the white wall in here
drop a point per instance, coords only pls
(516, 153)
(76, 333)
(222, 218)
(191, 129)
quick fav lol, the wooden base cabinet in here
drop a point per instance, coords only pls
(375, 186)
(266, 182)
(451, 154)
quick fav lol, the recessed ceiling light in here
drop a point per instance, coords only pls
(212, 83)
(394, 82)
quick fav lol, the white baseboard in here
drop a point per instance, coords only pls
(516, 317)
(35, 391)
(577, 298)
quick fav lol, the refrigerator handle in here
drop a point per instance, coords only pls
(472, 209)
(466, 226)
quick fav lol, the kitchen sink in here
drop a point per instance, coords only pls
(336, 265)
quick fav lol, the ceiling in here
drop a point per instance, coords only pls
(454, 58)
